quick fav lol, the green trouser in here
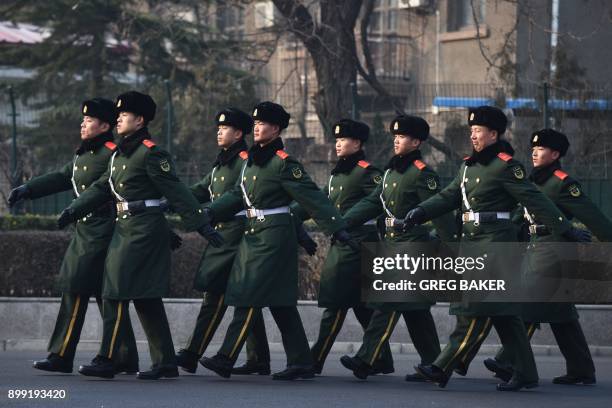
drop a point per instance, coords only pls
(572, 344)
(420, 325)
(504, 357)
(69, 324)
(211, 314)
(470, 331)
(153, 319)
(289, 323)
(331, 323)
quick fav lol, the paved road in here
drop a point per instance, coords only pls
(337, 388)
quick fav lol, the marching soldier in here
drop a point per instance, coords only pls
(264, 273)
(81, 272)
(548, 146)
(137, 265)
(352, 179)
(487, 189)
(407, 181)
(232, 127)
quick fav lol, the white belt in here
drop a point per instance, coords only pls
(475, 216)
(241, 213)
(261, 214)
(123, 206)
(371, 222)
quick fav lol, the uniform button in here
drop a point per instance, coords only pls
(222, 178)
(218, 194)
(116, 218)
(333, 218)
(84, 168)
(215, 179)
(392, 234)
(216, 227)
(471, 233)
(454, 235)
(114, 168)
(123, 167)
(244, 179)
(386, 185)
(84, 219)
(220, 225)
(463, 235)
(338, 205)
(76, 168)
(392, 202)
(477, 180)
(340, 188)
(394, 184)
(474, 199)
(467, 179)
(83, 186)
(120, 184)
(332, 189)
(124, 216)
(254, 177)
(200, 210)
(252, 230)
(91, 151)
(560, 218)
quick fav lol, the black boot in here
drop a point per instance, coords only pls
(252, 367)
(574, 380)
(54, 363)
(433, 374)
(380, 368)
(359, 367)
(461, 369)
(100, 367)
(126, 368)
(219, 363)
(502, 372)
(159, 371)
(515, 385)
(415, 377)
(294, 372)
(187, 360)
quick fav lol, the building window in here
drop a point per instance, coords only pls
(264, 14)
(384, 17)
(230, 21)
(461, 14)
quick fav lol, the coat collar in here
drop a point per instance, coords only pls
(401, 163)
(226, 156)
(129, 144)
(485, 156)
(539, 175)
(95, 143)
(260, 155)
(348, 163)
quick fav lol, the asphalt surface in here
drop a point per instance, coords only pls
(335, 388)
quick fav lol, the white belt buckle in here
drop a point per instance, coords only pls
(260, 215)
(389, 222)
(476, 219)
(533, 229)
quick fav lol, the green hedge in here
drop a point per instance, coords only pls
(31, 260)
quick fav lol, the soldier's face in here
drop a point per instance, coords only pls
(404, 144)
(345, 146)
(543, 156)
(264, 132)
(482, 136)
(227, 136)
(92, 127)
(128, 123)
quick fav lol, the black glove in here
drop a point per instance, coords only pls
(577, 235)
(416, 216)
(17, 194)
(345, 238)
(523, 232)
(66, 217)
(305, 240)
(207, 230)
(175, 240)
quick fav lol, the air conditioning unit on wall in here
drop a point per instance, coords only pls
(411, 4)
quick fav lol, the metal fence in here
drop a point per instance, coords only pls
(584, 114)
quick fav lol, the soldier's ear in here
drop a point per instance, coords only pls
(555, 155)
(105, 126)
